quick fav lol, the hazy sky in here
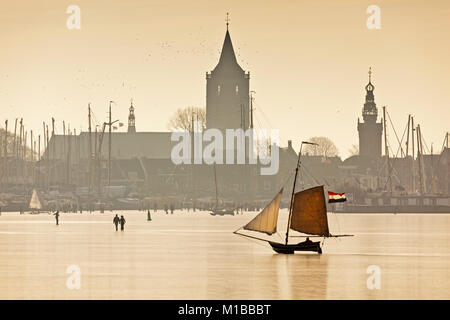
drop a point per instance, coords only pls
(308, 62)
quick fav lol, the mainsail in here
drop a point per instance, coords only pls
(35, 203)
(309, 212)
(266, 220)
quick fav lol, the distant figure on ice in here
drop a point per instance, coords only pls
(57, 217)
(122, 223)
(116, 221)
(149, 218)
(155, 207)
(171, 208)
(166, 209)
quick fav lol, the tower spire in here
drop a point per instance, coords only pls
(370, 130)
(131, 119)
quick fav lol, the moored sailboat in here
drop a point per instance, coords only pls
(35, 204)
(307, 214)
(219, 209)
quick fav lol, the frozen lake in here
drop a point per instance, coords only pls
(196, 256)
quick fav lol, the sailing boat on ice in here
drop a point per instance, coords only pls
(307, 214)
(35, 204)
(219, 209)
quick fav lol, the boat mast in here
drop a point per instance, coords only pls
(39, 162)
(54, 172)
(407, 136)
(293, 189)
(6, 152)
(407, 147)
(419, 157)
(90, 148)
(413, 154)
(96, 158)
(31, 157)
(109, 148)
(386, 151)
(251, 108)
(215, 181)
(110, 123)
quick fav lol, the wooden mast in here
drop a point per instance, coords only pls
(110, 123)
(48, 156)
(68, 164)
(64, 139)
(109, 148)
(407, 147)
(193, 149)
(407, 136)
(95, 156)
(14, 140)
(6, 152)
(24, 169)
(19, 146)
(53, 172)
(99, 153)
(31, 157)
(215, 181)
(413, 154)
(293, 191)
(39, 160)
(386, 151)
(419, 156)
(90, 148)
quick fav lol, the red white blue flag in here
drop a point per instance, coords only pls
(336, 197)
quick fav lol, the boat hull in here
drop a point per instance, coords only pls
(291, 248)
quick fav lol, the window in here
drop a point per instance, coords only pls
(237, 89)
(218, 90)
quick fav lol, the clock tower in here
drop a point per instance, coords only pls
(370, 130)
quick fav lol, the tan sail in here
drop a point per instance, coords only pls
(309, 212)
(266, 220)
(35, 203)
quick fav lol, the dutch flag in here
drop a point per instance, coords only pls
(336, 197)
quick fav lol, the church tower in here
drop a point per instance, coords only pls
(131, 120)
(227, 92)
(370, 130)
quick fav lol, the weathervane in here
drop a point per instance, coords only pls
(227, 20)
(370, 74)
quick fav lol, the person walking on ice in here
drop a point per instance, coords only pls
(57, 217)
(116, 221)
(122, 223)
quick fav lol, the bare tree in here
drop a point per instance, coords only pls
(10, 145)
(354, 150)
(182, 119)
(325, 147)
